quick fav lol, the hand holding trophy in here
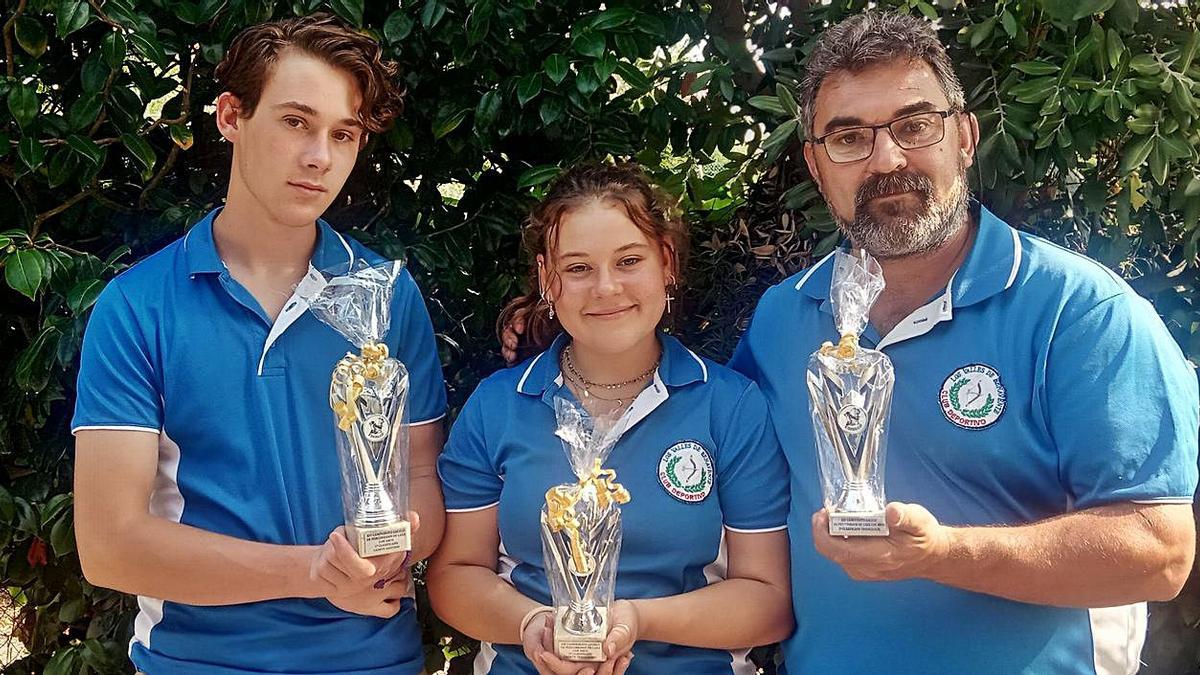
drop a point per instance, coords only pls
(850, 398)
(368, 393)
(581, 534)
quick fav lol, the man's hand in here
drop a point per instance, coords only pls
(510, 337)
(916, 544)
(374, 601)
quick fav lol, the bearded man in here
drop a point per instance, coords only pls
(1034, 519)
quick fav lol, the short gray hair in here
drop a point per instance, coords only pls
(871, 38)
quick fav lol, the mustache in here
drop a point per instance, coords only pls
(893, 183)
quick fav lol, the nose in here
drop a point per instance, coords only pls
(606, 283)
(887, 156)
(318, 154)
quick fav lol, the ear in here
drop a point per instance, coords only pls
(968, 136)
(542, 281)
(229, 116)
(810, 158)
(669, 262)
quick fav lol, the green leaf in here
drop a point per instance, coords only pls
(62, 164)
(86, 148)
(605, 66)
(787, 100)
(1158, 164)
(556, 66)
(23, 104)
(113, 48)
(982, 32)
(537, 175)
(25, 272)
(1089, 7)
(398, 26)
(1034, 91)
(181, 135)
(590, 44)
(71, 16)
(62, 540)
(1136, 153)
(84, 111)
(149, 48)
(1189, 52)
(487, 108)
(1145, 64)
(769, 104)
(1139, 125)
(586, 82)
(1175, 147)
(83, 295)
(1116, 48)
(782, 134)
(445, 126)
(612, 18)
(1193, 187)
(1036, 67)
(1010, 23)
(633, 76)
(71, 610)
(140, 149)
(31, 35)
(528, 87)
(432, 13)
(1124, 15)
(350, 10)
(32, 152)
(62, 663)
(551, 110)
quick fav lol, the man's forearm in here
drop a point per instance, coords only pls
(1100, 557)
(158, 558)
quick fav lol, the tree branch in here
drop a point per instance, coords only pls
(8, 30)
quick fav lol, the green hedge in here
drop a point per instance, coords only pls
(108, 151)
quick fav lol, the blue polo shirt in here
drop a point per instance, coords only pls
(177, 348)
(1037, 384)
(699, 457)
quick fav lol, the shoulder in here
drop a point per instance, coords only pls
(1074, 282)
(143, 283)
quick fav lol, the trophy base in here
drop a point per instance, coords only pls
(858, 524)
(575, 647)
(373, 541)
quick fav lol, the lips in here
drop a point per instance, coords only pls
(307, 187)
(614, 313)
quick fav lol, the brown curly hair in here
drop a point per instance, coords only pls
(623, 184)
(254, 52)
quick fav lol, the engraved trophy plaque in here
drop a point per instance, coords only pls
(368, 394)
(581, 534)
(850, 398)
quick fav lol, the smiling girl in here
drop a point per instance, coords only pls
(702, 574)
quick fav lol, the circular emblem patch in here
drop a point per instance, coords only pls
(686, 471)
(973, 397)
(852, 418)
(375, 428)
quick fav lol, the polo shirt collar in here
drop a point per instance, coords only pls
(332, 253)
(680, 366)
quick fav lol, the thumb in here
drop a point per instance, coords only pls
(910, 518)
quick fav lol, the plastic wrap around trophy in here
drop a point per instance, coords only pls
(581, 533)
(850, 397)
(368, 394)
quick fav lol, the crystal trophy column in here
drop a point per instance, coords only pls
(850, 398)
(581, 535)
(368, 394)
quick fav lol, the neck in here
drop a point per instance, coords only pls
(912, 280)
(609, 367)
(248, 236)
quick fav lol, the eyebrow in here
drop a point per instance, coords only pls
(309, 110)
(626, 247)
(851, 121)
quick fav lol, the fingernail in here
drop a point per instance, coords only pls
(381, 583)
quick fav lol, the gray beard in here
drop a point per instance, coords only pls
(895, 233)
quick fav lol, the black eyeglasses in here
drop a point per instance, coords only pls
(854, 144)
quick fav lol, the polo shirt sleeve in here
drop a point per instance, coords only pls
(117, 387)
(415, 345)
(470, 481)
(752, 476)
(1121, 404)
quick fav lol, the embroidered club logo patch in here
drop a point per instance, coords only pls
(686, 471)
(973, 397)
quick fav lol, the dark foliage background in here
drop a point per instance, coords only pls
(108, 151)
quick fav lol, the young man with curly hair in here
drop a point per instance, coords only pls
(206, 477)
